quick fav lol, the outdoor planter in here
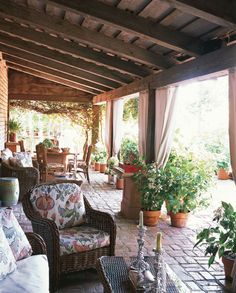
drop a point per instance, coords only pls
(103, 167)
(178, 220)
(222, 174)
(129, 168)
(120, 183)
(151, 218)
(228, 263)
(97, 166)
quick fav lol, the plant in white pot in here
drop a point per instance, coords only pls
(111, 163)
(220, 237)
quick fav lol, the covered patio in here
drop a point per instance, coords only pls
(100, 52)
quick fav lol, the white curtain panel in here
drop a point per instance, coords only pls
(164, 123)
(232, 119)
(108, 122)
(118, 107)
(142, 121)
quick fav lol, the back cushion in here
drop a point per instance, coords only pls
(5, 155)
(7, 260)
(16, 237)
(63, 203)
(23, 159)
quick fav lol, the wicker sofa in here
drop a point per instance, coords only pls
(61, 262)
(27, 176)
(28, 276)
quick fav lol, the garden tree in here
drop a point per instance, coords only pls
(131, 109)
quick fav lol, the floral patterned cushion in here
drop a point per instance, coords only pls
(83, 238)
(6, 154)
(16, 237)
(7, 260)
(62, 202)
(23, 159)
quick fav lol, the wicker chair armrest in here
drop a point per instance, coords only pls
(37, 243)
(21, 171)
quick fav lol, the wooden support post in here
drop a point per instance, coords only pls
(95, 129)
(150, 150)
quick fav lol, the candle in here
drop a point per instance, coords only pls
(159, 239)
(141, 219)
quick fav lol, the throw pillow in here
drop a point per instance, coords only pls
(7, 260)
(16, 237)
(5, 155)
(61, 202)
(23, 159)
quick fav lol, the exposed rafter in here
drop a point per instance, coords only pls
(81, 34)
(134, 24)
(221, 12)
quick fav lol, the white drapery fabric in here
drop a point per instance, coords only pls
(232, 140)
(108, 127)
(142, 121)
(118, 107)
(164, 123)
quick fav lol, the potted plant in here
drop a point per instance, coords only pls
(220, 238)
(111, 163)
(103, 161)
(13, 127)
(184, 180)
(119, 180)
(223, 163)
(149, 184)
(128, 154)
(47, 143)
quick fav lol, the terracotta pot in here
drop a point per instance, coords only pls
(179, 220)
(12, 137)
(228, 263)
(97, 166)
(120, 183)
(150, 218)
(103, 167)
(222, 174)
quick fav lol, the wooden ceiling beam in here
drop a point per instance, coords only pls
(71, 48)
(71, 72)
(83, 35)
(133, 24)
(47, 76)
(207, 64)
(67, 61)
(221, 12)
(51, 98)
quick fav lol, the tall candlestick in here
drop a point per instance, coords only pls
(159, 241)
(141, 219)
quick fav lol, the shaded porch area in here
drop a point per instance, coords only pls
(189, 265)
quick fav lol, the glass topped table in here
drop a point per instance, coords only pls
(113, 272)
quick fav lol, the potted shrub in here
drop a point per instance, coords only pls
(223, 163)
(128, 155)
(220, 238)
(97, 155)
(184, 179)
(149, 184)
(111, 163)
(13, 127)
(103, 161)
(47, 143)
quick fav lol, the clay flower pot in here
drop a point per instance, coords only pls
(120, 183)
(151, 218)
(12, 137)
(97, 166)
(179, 220)
(222, 174)
(103, 167)
(228, 266)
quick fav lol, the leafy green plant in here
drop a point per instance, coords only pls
(14, 126)
(149, 184)
(128, 151)
(223, 161)
(100, 154)
(221, 238)
(47, 143)
(184, 179)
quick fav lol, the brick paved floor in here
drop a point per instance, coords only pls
(188, 264)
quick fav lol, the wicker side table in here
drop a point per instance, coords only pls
(113, 273)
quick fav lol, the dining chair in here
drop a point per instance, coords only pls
(83, 166)
(46, 168)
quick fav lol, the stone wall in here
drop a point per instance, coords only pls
(3, 102)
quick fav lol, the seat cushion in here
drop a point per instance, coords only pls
(55, 166)
(30, 276)
(23, 159)
(63, 203)
(16, 237)
(5, 155)
(82, 238)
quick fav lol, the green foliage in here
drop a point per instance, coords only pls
(128, 151)
(184, 179)
(131, 109)
(221, 238)
(100, 154)
(149, 184)
(111, 163)
(47, 143)
(14, 126)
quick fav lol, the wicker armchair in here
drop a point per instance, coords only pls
(27, 176)
(37, 243)
(61, 264)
